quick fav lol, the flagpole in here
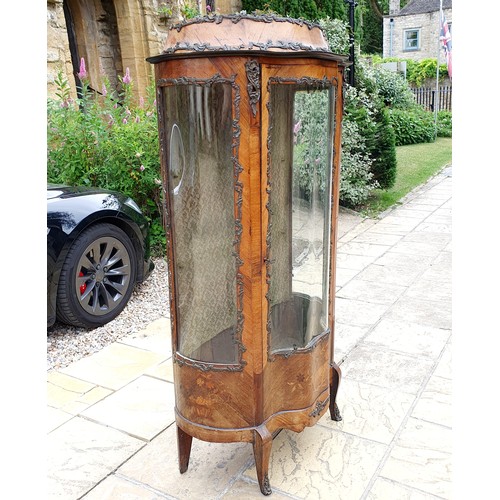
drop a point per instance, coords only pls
(436, 99)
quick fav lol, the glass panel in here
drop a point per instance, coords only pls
(198, 121)
(300, 169)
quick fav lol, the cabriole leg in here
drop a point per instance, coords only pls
(262, 444)
(335, 375)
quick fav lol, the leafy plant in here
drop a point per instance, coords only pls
(165, 10)
(189, 12)
(107, 141)
(337, 34)
(444, 124)
(356, 178)
(412, 126)
(393, 89)
(307, 9)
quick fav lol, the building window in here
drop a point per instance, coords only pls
(411, 39)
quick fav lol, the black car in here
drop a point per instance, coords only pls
(97, 250)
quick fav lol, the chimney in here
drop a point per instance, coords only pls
(394, 7)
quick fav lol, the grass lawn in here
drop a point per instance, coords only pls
(415, 164)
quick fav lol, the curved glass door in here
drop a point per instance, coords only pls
(299, 177)
(200, 169)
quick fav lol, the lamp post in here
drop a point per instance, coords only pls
(352, 5)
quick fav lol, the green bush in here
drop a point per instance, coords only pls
(356, 178)
(384, 151)
(358, 132)
(444, 123)
(412, 126)
(393, 89)
(372, 118)
(107, 141)
(337, 34)
(307, 9)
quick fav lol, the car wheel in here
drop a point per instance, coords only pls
(97, 277)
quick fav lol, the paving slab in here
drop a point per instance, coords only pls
(319, 463)
(212, 467)
(80, 454)
(422, 458)
(143, 408)
(114, 366)
(410, 338)
(387, 368)
(369, 411)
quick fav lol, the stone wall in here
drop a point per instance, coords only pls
(113, 35)
(429, 35)
(58, 54)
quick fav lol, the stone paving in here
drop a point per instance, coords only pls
(111, 432)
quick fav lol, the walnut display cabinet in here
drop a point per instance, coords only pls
(250, 111)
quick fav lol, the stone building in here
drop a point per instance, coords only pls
(413, 31)
(112, 35)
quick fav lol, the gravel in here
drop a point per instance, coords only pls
(149, 302)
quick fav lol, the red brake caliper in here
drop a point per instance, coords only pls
(84, 286)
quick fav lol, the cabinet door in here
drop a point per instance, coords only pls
(200, 172)
(300, 118)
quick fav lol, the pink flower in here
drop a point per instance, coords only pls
(137, 119)
(141, 102)
(142, 168)
(126, 78)
(209, 9)
(124, 121)
(104, 90)
(83, 72)
(297, 127)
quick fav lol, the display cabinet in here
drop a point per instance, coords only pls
(250, 111)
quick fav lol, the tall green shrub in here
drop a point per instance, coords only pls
(359, 129)
(384, 150)
(356, 178)
(380, 138)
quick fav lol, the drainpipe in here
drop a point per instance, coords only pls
(391, 31)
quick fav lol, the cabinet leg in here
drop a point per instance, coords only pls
(335, 375)
(184, 442)
(262, 444)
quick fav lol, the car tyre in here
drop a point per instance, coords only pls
(97, 277)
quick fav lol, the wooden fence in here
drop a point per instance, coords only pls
(426, 96)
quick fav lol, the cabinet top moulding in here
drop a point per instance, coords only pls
(229, 35)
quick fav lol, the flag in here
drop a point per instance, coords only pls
(445, 38)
